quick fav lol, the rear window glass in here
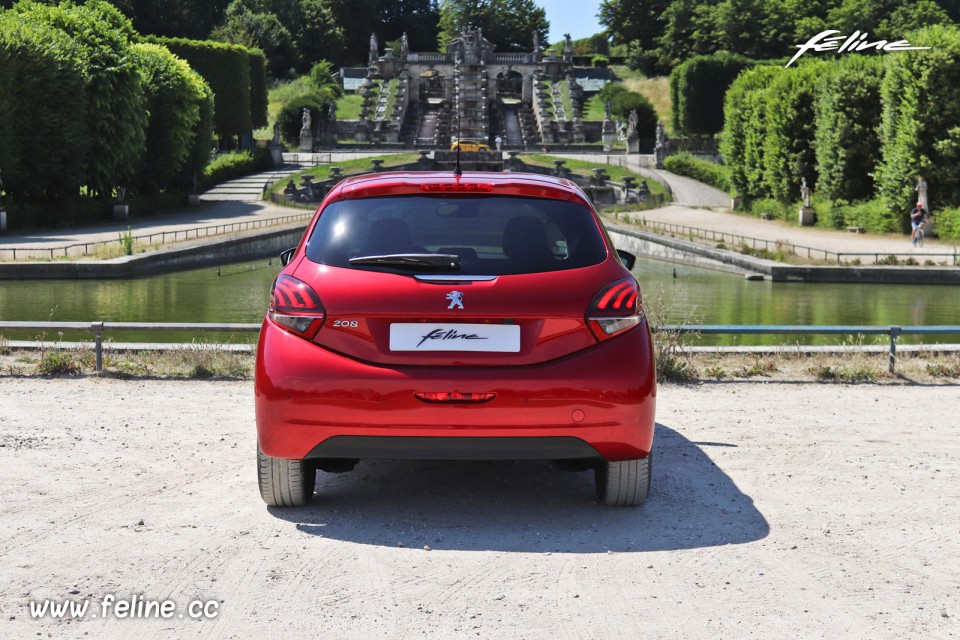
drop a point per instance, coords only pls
(491, 235)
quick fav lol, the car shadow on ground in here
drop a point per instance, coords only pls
(530, 506)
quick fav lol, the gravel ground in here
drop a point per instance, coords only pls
(778, 510)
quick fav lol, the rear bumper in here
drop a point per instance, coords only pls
(311, 402)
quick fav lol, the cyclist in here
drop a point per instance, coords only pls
(917, 215)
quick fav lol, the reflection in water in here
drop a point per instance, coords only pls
(241, 292)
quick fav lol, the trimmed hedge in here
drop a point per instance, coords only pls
(847, 119)
(741, 142)
(236, 164)
(45, 141)
(226, 68)
(258, 88)
(712, 173)
(920, 125)
(114, 114)
(697, 89)
(788, 133)
(174, 93)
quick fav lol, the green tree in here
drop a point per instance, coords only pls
(509, 24)
(633, 21)
(262, 30)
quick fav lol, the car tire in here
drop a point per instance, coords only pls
(625, 483)
(285, 483)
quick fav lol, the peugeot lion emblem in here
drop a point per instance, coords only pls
(456, 300)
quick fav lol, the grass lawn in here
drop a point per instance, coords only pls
(586, 169)
(351, 167)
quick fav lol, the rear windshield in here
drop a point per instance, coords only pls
(491, 235)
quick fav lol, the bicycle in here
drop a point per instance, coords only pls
(918, 234)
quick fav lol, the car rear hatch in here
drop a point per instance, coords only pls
(426, 319)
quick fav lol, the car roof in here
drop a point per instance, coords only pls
(476, 182)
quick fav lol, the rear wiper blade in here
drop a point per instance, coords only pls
(438, 261)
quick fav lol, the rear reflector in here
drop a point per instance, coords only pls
(437, 397)
(469, 187)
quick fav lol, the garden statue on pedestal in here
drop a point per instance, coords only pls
(306, 135)
(807, 215)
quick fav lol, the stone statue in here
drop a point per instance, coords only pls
(921, 192)
(567, 43)
(536, 41)
(661, 136)
(632, 120)
(306, 121)
(805, 192)
(404, 43)
(607, 110)
(373, 43)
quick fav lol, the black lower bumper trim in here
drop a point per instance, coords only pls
(454, 448)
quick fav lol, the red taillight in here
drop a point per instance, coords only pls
(296, 307)
(453, 396)
(615, 309)
(469, 187)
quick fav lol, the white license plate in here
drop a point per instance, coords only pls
(498, 338)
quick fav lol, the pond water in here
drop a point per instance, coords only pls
(699, 296)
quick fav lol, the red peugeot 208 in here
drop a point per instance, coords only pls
(483, 316)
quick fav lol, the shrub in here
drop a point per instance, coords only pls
(290, 117)
(55, 363)
(712, 173)
(697, 89)
(948, 223)
(623, 101)
(236, 164)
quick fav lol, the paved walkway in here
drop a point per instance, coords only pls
(223, 207)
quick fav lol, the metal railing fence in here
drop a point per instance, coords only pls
(893, 331)
(99, 328)
(798, 249)
(158, 237)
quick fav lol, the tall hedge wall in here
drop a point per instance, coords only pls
(226, 68)
(847, 120)
(698, 86)
(788, 140)
(741, 142)
(114, 114)
(920, 125)
(174, 93)
(258, 88)
(44, 145)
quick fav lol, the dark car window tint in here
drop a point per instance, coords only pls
(492, 235)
